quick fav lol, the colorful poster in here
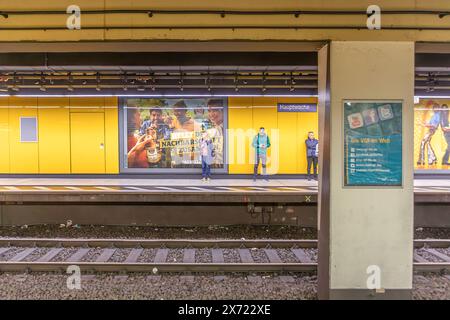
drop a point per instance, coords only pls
(373, 143)
(432, 135)
(165, 133)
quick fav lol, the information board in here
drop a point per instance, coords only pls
(373, 143)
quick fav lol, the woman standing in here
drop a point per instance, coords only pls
(207, 155)
(425, 145)
(312, 154)
(446, 130)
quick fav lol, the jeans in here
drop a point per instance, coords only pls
(313, 161)
(206, 168)
(425, 146)
(260, 158)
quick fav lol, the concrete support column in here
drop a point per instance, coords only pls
(365, 232)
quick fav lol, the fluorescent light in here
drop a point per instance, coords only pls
(432, 97)
(156, 95)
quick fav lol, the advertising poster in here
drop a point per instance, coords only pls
(165, 133)
(373, 143)
(432, 135)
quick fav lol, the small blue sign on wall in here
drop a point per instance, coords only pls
(297, 107)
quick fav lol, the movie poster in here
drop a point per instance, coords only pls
(165, 133)
(432, 135)
(373, 143)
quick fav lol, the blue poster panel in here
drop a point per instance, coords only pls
(373, 143)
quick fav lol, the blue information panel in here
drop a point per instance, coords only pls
(373, 143)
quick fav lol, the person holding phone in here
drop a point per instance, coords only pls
(261, 143)
(446, 130)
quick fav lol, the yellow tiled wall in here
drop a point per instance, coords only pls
(81, 135)
(92, 148)
(287, 131)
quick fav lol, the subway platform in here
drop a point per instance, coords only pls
(186, 201)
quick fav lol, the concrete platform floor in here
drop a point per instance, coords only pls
(180, 185)
(158, 185)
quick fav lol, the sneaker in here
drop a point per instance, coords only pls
(203, 179)
(208, 179)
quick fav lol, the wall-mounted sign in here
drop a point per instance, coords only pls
(373, 143)
(297, 107)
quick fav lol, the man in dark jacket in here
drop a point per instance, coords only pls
(312, 153)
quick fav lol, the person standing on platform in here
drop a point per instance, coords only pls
(446, 130)
(425, 145)
(207, 155)
(261, 143)
(312, 154)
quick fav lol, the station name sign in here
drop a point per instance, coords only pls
(297, 107)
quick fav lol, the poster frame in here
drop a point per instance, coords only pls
(123, 138)
(342, 122)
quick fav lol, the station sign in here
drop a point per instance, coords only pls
(297, 107)
(373, 143)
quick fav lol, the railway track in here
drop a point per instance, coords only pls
(200, 256)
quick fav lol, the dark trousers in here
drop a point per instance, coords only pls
(263, 159)
(206, 168)
(313, 161)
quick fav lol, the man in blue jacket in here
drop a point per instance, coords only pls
(312, 153)
(261, 143)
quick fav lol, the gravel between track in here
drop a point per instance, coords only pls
(175, 255)
(445, 251)
(287, 256)
(36, 254)
(64, 254)
(120, 255)
(147, 232)
(210, 232)
(259, 256)
(231, 256)
(428, 256)
(203, 256)
(147, 255)
(10, 253)
(92, 255)
(312, 253)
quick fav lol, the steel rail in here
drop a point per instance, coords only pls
(167, 267)
(7, 266)
(157, 243)
(182, 243)
(156, 267)
(435, 267)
